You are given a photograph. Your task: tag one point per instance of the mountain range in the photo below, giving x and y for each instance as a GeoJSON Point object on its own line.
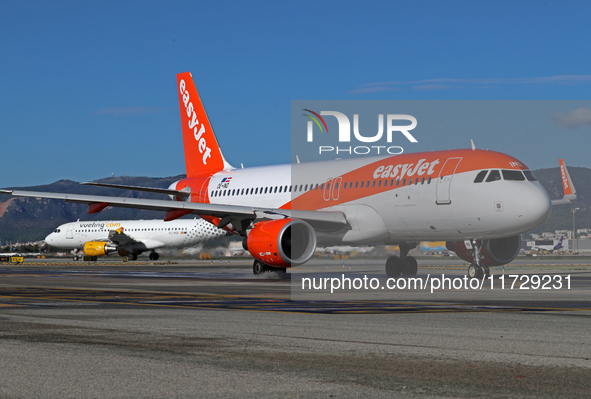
{"type": "Point", "coordinates": [31, 219]}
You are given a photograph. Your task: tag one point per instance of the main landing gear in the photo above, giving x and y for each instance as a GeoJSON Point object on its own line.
{"type": "Point", "coordinates": [154, 255]}
{"type": "Point", "coordinates": [259, 267]}
{"type": "Point", "coordinates": [476, 270]}
{"type": "Point", "coordinates": [404, 265]}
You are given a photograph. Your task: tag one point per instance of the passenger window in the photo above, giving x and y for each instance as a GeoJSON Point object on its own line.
{"type": "Point", "coordinates": [410, 181]}
{"type": "Point", "coordinates": [513, 175]}
{"type": "Point", "coordinates": [361, 185]}
{"type": "Point", "coordinates": [480, 176]}
{"type": "Point", "coordinates": [493, 176]}
{"type": "Point", "coordinates": [529, 175]}
{"type": "Point", "coordinates": [356, 184]}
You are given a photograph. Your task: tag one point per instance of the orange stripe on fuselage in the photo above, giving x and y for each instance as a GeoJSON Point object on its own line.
{"type": "Point", "coordinates": [383, 174]}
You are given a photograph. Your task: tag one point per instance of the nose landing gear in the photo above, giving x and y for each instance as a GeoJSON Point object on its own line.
{"type": "Point", "coordinates": [476, 270]}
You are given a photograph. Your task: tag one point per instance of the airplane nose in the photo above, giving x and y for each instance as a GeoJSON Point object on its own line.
{"type": "Point", "coordinates": [534, 205]}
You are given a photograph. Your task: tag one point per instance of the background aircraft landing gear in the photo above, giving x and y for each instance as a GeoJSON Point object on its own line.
{"type": "Point", "coordinates": [132, 257]}
{"type": "Point", "coordinates": [154, 256]}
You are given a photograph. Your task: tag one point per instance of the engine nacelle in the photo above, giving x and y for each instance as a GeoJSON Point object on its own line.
{"type": "Point", "coordinates": [497, 252]}
{"type": "Point", "coordinates": [282, 243]}
{"type": "Point", "coordinates": [99, 248]}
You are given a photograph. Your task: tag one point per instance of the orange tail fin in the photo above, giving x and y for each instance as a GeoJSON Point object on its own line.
{"type": "Point", "coordinates": [567, 183]}
{"type": "Point", "coordinates": [203, 155]}
{"type": "Point", "coordinates": [570, 193]}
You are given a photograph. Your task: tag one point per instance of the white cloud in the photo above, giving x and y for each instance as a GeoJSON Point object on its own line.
{"type": "Point", "coordinates": [127, 111]}
{"type": "Point", "coordinates": [573, 119]}
{"type": "Point", "coordinates": [454, 83]}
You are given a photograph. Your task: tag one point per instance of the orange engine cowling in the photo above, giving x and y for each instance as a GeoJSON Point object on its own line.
{"type": "Point", "coordinates": [282, 243]}
{"type": "Point", "coordinates": [497, 252]}
{"type": "Point", "coordinates": [99, 248]}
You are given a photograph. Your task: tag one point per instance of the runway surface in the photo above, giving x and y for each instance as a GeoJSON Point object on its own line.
{"type": "Point", "coordinates": [212, 329]}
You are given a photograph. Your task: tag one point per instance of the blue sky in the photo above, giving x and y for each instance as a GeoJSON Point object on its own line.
{"type": "Point", "coordinates": [88, 89]}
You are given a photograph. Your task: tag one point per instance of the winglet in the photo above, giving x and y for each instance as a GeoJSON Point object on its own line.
{"type": "Point", "coordinates": [570, 193]}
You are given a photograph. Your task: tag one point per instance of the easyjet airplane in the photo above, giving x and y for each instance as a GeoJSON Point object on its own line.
{"type": "Point", "coordinates": [131, 237]}
{"type": "Point", "coordinates": [478, 201]}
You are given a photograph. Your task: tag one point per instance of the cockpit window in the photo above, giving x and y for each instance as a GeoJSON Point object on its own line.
{"type": "Point", "coordinates": [529, 175]}
{"type": "Point", "coordinates": [493, 176]}
{"type": "Point", "coordinates": [480, 176]}
{"type": "Point", "coordinates": [513, 175]}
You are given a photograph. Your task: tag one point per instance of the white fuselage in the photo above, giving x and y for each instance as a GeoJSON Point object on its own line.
{"type": "Point", "coordinates": [396, 199]}
{"type": "Point", "coordinates": [153, 234]}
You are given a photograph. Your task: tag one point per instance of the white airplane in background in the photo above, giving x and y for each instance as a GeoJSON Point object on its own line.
{"type": "Point", "coordinates": [478, 201]}
{"type": "Point", "coordinates": [132, 237]}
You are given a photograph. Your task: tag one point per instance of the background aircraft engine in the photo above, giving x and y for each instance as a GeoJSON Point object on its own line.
{"type": "Point", "coordinates": [99, 248]}
{"type": "Point", "coordinates": [497, 252]}
{"type": "Point", "coordinates": [282, 243]}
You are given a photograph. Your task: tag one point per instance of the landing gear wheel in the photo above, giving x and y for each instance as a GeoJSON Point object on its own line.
{"type": "Point", "coordinates": [394, 266]}
{"type": "Point", "coordinates": [410, 267]}
{"type": "Point", "coordinates": [132, 257]}
{"type": "Point", "coordinates": [259, 267]}
{"type": "Point", "coordinates": [475, 271]}
{"type": "Point", "coordinates": [154, 255]}
{"type": "Point", "coordinates": [485, 271]}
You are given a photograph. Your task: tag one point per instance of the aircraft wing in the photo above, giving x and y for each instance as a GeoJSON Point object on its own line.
{"type": "Point", "coordinates": [570, 193]}
{"type": "Point", "coordinates": [179, 193]}
{"type": "Point", "coordinates": [122, 240]}
{"type": "Point", "coordinates": [239, 216]}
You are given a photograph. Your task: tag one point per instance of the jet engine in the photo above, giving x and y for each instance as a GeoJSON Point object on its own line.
{"type": "Point", "coordinates": [497, 252]}
{"type": "Point", "coordinates": [99, 248]}
{"type": "Point", "coordinates": [282, 243]}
